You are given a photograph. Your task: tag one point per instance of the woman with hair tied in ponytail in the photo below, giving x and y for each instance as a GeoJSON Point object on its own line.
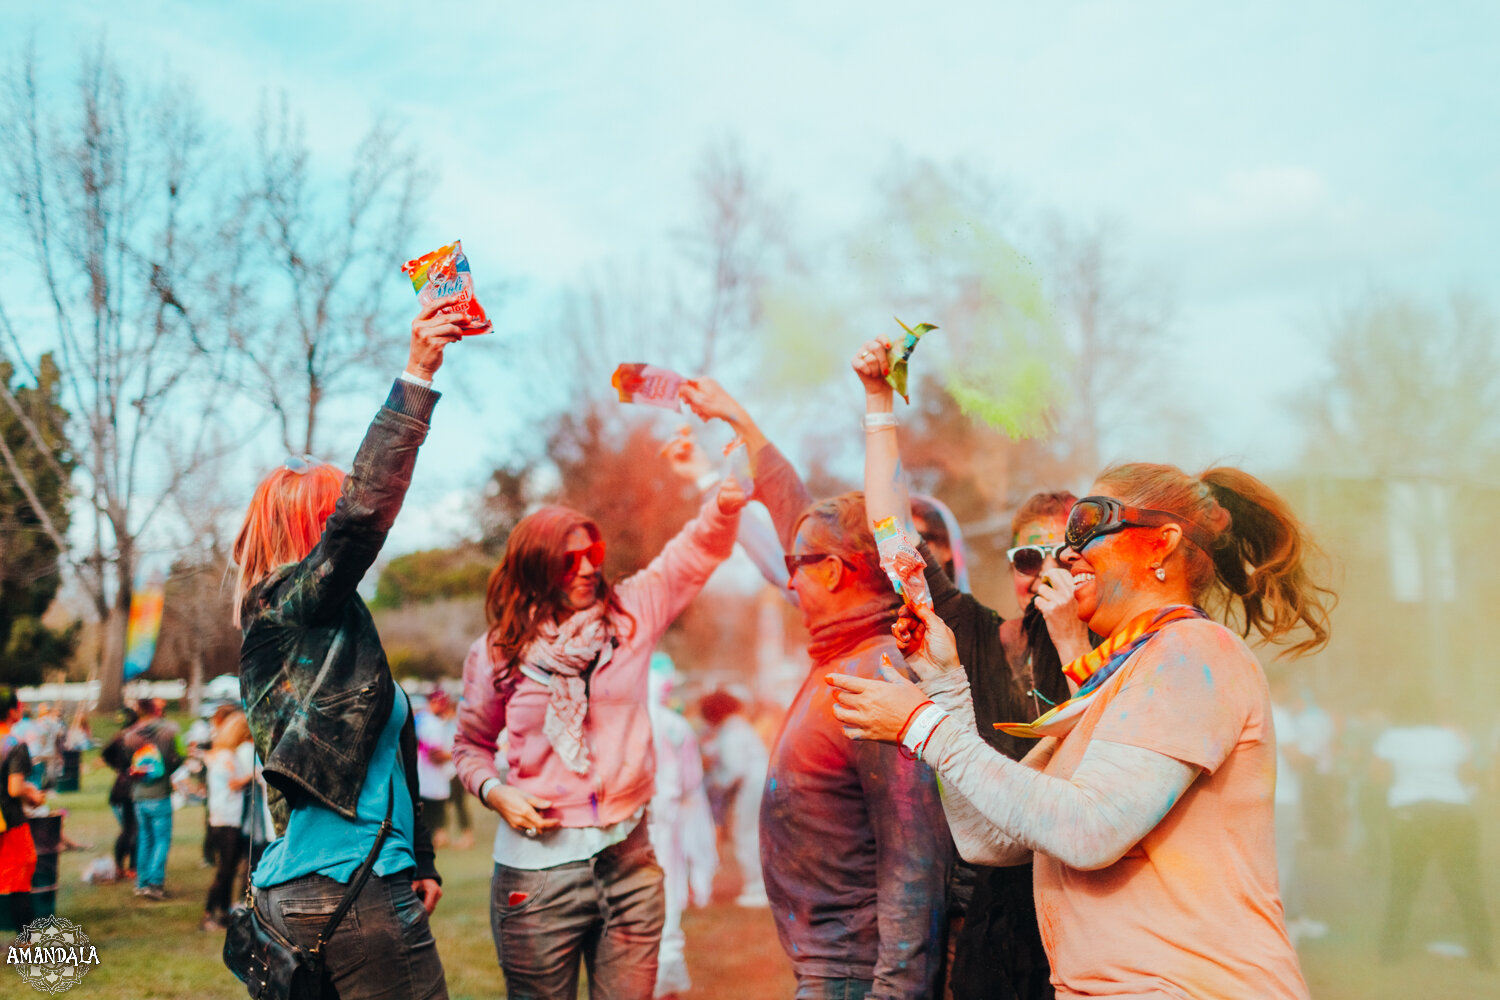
{"type": "Point", "coordinates": [1146, 806]}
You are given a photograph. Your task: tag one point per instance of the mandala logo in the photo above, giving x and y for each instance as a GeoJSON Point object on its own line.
{"type": "Point", "coordinates": [52, 954]}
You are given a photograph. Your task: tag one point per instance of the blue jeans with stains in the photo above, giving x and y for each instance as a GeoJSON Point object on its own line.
{"type": "Point", "coordinates": [383, 948]}
{"type": "Point", "coordinates": [607, 910]}
{"type": "Point", "coordinates": [810, 988]}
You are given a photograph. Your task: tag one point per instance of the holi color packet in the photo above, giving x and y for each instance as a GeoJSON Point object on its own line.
{"type": "Point", "coordinates": [648, 385]}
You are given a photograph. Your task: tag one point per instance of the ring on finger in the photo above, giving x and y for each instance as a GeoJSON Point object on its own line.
{"type": "Point", "coordinates": [530, 831]}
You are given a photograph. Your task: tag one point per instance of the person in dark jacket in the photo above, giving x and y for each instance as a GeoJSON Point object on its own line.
{"type": "Point", "coordinates": [118, 758]}
{"type": "Point", "coordinates": [155, 749]}
{"type": "Point", "coordinates": [334, 729]}
{"type": "Point", "coordinates": [1014, 669]}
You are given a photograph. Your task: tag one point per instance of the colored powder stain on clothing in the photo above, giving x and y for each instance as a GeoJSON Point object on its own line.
{"type": "Point", "coordinates": [773, 784]}
{"type": "Point", "coordinates": [1208, 675]}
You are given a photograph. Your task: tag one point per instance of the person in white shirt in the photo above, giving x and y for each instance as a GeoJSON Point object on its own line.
{"type": "Point", "coordinates": [436, 725]}
{"type": "Point", "coordinates": [738, 763]}
{"type": "Point", "coordinates": [681, 826]}
{"type": "Point", "coordinates": [1432, 815]}
{"type": "Point", "coordinates": [229, 765]}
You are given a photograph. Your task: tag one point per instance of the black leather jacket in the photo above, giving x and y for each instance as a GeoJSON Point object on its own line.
{"type": "Point", "coordinates": [313, 676]}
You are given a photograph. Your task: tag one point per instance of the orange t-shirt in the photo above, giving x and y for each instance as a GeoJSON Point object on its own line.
{"type": "Point", "coordinates": [1192, 911]}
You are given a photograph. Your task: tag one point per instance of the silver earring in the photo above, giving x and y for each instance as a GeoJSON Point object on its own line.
{"type": "Point", "coordinates": [1161, 574]}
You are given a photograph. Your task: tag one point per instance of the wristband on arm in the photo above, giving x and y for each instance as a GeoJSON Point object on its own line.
{"type": "Point", "coordinates": [920, 726]}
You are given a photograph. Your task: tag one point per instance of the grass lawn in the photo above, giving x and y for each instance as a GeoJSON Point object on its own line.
{"type": "Point", "coordinates": [156, 950]}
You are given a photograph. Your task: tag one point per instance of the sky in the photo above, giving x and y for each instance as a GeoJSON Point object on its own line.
{"type": "Point", "coordinates": [1265, 164]}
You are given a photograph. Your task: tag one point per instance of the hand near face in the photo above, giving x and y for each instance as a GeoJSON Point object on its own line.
{"type": "Point", "coordinates": [1054, 599]}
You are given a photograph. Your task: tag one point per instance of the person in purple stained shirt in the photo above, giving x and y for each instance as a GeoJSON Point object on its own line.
{"type": "Point", "coordinates": [853, 846]}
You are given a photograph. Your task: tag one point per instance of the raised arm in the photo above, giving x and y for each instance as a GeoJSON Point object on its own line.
{"type": "Point", "coordinates": [756, 537]}
{"type": "Point", "coordinates": [886, 494]}
{"type": "Point", "coordinates": [376, 484]}
{"type": "Point", "coordinates": [657, 594]}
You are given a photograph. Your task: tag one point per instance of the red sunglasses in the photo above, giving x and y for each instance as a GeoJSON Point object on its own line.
{"type": "Point", "coordinates": [575, 557]}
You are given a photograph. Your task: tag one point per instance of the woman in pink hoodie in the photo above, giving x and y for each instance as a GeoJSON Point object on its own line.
{"type": "Point", "coordinates": [563, 671]}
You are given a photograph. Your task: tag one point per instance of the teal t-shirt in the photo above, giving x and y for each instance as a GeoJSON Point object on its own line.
{"type": "Point", "coordinates": [318, 841]}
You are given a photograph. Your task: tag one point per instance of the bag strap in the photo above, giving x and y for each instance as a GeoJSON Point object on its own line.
{"type": "Point", "coordinates": [361, 876]}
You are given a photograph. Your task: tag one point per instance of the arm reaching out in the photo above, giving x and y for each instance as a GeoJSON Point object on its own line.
{"type": "Point", "coordinates": [1000, 811]}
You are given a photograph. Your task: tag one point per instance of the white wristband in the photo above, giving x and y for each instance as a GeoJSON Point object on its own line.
{"type": "Point", "coordinates": [921, 728]}
{"type": "Point", "coordinates": [878, 421]}
{"type": "Point", "coordinates": [484, 789]}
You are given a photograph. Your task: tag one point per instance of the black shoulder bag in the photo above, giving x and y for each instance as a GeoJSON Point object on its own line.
{"type": "Point", "coordinates": [270, 966]}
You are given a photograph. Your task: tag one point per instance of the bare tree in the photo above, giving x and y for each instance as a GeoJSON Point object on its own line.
{"type": "Point", "coordinates": [1113, 321]}
{"type": "Point", "coordinates": [1412, 390]}
{"type": "Point", "coordinates": [320, 273]}
{"type": "Point", "coordinates": [737, 240]}
{"type": "Point", "coordinates": [116, 214]}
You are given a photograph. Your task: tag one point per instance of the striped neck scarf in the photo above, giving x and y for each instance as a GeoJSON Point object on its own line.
{"type": "Point", "coordinates": [1098, 665]}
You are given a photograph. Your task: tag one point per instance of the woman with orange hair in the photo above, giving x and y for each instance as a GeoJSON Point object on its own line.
{"type": "Point", "coordinates": [563, 670]}
{"type": "Point", "coordinates": [331, 724]}
{"type": "Point", "coordinates": [1147, 805]}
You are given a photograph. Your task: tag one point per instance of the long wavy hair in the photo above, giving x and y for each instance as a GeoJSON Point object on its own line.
{"type": "Point", "coordinates": [526, 589]}
{"type": "Point", "coordinates": [1255, 575]}
{"type": "Point", "coordinates": [284, 522]}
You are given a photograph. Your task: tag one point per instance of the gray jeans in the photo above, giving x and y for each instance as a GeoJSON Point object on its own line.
{"type": "Point", "coordinates": [382, 948]}
{"type": "Point", "coordinates": [607, 910]}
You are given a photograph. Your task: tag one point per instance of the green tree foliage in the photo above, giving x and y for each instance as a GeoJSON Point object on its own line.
{"type": "Point", "coordinates": [431, 574]}
{"type": "Point", "coordinates": [33, 432]}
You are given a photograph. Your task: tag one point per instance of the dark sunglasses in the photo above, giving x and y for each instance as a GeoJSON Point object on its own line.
{"type": "Point", "coordinates": [595, 554]}
{"type": "Point", "coordinates": [1028, 560]}
{"type": "Point", "coordinates": [794, 563]}
{"type": "Point", "coordinates": [1095, 516]}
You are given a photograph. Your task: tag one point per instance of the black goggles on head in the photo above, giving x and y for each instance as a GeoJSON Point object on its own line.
{"type": "Point", "coordinates": [1095, 516]}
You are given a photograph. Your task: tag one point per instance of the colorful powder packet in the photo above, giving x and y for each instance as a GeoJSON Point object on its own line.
{"type": "Point", "coordinates": [900, 356]}
{"type": "Point", "coordinates": [445, 272]}
{"type": "Point", "coordinates": [648, 385]}
{"type": "Point", "coordinates": [902, 562]}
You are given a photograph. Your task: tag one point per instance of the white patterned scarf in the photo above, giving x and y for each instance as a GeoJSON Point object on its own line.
{"type": "Point", "coordinates": [566, 653]}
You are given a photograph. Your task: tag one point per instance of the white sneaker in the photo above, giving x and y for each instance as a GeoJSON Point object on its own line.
{"type": "Point", "coordinates": [752, 900]}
